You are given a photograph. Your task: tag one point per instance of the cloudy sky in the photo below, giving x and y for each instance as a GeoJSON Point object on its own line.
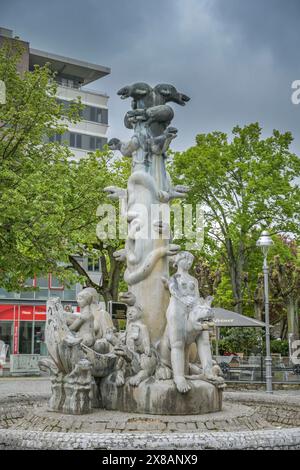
{"type": "Point", "coordinates": [236, 59]}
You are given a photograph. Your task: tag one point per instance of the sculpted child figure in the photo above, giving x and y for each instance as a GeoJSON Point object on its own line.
{"type": "Point", "coordinates": [137, 346]}
{"type": "Point", "coordinates": [138, 341]}
{"type": "Point", "coordinates": [91, 324]}
{"type": "Point", "coordinates": [189, 319]}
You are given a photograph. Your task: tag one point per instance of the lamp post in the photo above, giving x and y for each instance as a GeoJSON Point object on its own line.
{"type": "Point", "coordinates": [264, 242]}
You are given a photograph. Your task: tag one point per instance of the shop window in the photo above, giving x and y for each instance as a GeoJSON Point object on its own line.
{"type": "Point", "coordinates": [32, 338]}
{"type": "Point", "coordinates": [25, 338]}
{"type": "Point", "coordinates": [39, 346]}
{"type": "Point", "coordinates": [7, 334]}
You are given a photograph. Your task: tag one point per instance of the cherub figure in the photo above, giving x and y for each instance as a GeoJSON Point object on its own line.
{"type": "Point", "coordinates": [138, 341]}
{"type": "Point", "coordinates": [135, 349]}
{"type": "Point", "coordinates": [83, 322]}
{"type": "Point", "coordinates": [92, 322]}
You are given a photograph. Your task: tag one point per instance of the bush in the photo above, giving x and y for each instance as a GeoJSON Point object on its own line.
{"type": "Point", "coordinates": [240, 340]}
{"type": "Point", "coordinates": [280, 347]}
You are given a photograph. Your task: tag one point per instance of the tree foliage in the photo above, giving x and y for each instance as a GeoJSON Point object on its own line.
{"type": "Point", "coordinates": [48, 201]}
{"type": "Point", "coordinates": [246, 184]}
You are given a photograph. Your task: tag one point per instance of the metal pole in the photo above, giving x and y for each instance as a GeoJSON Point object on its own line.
{"type": "Point", "coordinates": [33, 331]}
{"type": "Point", "coordinates": [217, 341]}
{"type": "Point", "coordinates": [267, 322]}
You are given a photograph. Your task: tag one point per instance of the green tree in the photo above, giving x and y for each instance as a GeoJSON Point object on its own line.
{"type": "Point", "coordinates": [48, 202]}
{"type": "Point", "coordinates": [245, 185]}
{"type": "Point", "coordinates": [285, 285]}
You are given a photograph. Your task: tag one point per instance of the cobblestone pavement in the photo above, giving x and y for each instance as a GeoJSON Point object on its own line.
{"type": "Point", "coordinates": [233, 417]}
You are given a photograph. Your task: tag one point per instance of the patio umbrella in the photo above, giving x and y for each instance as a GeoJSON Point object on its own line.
{"type": "Point", "coordinates": [223, 317]}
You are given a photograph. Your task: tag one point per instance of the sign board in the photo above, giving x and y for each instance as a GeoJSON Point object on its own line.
{"type": "Point", "coordinates": [117, 310]}
{"type": "Point", "coordinates": [24, 364]}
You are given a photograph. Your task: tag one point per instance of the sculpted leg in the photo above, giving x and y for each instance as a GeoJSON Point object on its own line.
{"type": "Point", "coordinates": [178, 365]}
{"type": "Point", "coordinates": [204, 352]}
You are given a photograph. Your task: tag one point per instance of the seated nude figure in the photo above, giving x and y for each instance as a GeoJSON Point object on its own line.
{"type": "Point", "coordinates": [189, 319]}
{"type": "Point", "coordinates": [91, 323]}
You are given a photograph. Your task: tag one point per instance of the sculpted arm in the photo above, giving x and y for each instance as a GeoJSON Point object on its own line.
{"type": "Point", "coordinates": [82, 318]}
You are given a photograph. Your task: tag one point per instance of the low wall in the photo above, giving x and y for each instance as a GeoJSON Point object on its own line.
{"type": "Point", "coordinates": [288, 439]}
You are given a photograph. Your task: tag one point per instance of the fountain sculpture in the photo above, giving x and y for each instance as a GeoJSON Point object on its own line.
{"type": "Point", "coordinates": [162, 363]}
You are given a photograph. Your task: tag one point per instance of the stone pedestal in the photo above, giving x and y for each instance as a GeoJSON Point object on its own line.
{"type": "Point", "coordinates": [160, 397]}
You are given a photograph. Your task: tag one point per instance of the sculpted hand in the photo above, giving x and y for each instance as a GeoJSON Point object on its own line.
{"type": "Point", "coordinates": [165, 282]}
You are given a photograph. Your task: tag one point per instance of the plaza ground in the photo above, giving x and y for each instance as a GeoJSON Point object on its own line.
{"type": "Point", "coordinates": [42, 386]}
{"type": "Point", "coordinates": [248, 420]}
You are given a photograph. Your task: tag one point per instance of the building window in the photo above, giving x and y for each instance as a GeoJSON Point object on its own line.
{"type": "Point", "coordinates": [70, 294]}
{"type": "Point", "coordinates": [55, 138]}
{"type": "Point", "coordinates": [80, 141]}
{"type": "Point", "coordinates": [7, 335]}
{"type": "Point", "coordinates": [39, 345]}
{"type": "Point", "coordinates": [43, 284]}
{"type": "Point", "coordinates": [55, 283]}
{"type": "Point", "coordinates": [94, 265]}
{"type": "Point", "coordinates": [25, 338]}
{"type": "Point", "coordinates": [32, 338]}
{"type": "Point", "coordinates": [75, 140]}
{"type": "Point", "coordinates": [94, 114]}
{"type": "Point", "coordinates": [89, 113]}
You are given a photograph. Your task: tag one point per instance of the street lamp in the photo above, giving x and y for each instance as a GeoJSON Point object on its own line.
{"type": "Point", "coordinates": [264, 242]}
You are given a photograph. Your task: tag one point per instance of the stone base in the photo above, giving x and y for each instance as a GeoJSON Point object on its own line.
{"type": "Point", "coordinates": [160, 397]}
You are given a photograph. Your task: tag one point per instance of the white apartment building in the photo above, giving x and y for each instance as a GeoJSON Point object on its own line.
{"type": "Point", "coordinates": [73, 76]}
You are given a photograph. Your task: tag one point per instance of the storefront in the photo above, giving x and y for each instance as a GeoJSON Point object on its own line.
{"type": "Point", "coordinates": [22, 328]}
{"type": "Point", "coordinates": [23, 315]}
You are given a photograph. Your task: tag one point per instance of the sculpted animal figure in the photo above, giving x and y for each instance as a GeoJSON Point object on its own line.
{"type": "Point", "coordinates": [166, 93]}
{"type": "Point", "coordinates": [189, 319]}
{"type": "Point", "coordinates": [144, 96]}
{"type": "Point", "coordinates": [141, 94]}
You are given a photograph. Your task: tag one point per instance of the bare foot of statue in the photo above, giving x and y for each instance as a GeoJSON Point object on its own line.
{"type": "Point", "coordinates": [181, 384]}
{"type": "Point", "coordinates": [163, 373]}
{"type": "Point", "coordinates": [137, 379]}
{"type": "Point", "coordinates": [215, 380]}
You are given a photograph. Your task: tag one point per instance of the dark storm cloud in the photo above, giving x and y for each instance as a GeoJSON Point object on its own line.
{"type": "Point", "coordinates": [235, 58]}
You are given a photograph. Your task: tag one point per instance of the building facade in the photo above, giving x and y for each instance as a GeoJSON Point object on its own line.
{"type": "Point", "coordinates": [23, 314]}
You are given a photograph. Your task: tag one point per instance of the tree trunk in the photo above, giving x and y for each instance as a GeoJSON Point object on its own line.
{"type": "Point", "coordinates": [235, 278]}
{"type": "Point", "coordinates": [292, 317]}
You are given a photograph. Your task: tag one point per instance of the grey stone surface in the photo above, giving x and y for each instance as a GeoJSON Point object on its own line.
{"type": "Point", "coordinates": [160, 397]}
{"type": "Point", "coordinates": [165, 318]}
{"type": "Point", "coordinates": [288, 439]}
{"type": "Point", "coordinates": [242, 424]}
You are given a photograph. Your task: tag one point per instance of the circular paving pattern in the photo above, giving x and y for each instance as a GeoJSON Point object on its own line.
{"type": "Point", "coordinates": [247, 421]}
